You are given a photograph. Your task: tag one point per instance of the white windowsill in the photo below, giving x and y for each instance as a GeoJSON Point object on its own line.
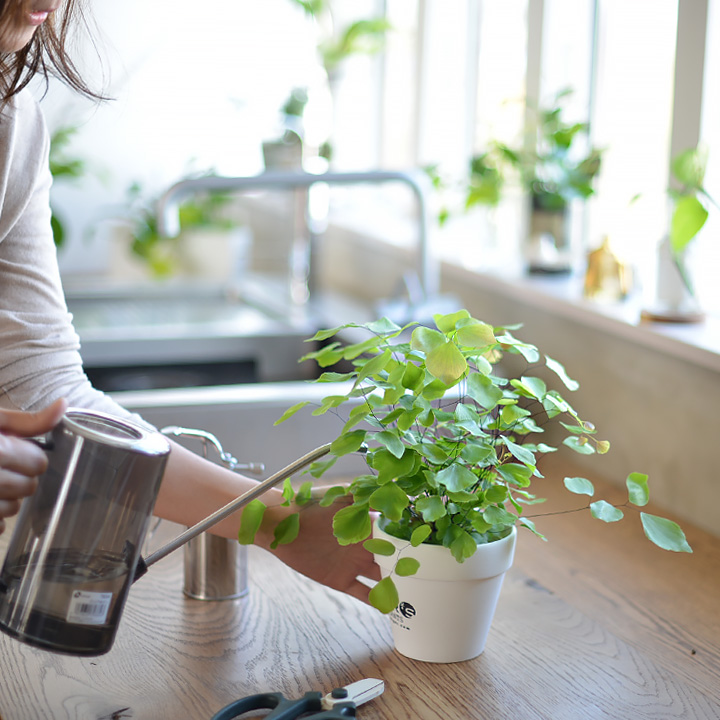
{"type": "Point", "coordinates": [698, 343]}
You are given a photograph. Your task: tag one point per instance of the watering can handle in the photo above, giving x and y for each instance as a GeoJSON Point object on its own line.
{"type": "Point", "coordinates": [229, 509]}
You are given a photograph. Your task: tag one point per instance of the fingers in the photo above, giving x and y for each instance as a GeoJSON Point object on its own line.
{"type": "Point", "coordinates": [13, 488]}
{"type": "Point", "coordinates": [25, 424]}
{"type": "Point", "coordinates": [19, 457]}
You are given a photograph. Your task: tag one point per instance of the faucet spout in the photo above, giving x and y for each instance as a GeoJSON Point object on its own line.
{"type": "Point", "coordinates": [427, 269]}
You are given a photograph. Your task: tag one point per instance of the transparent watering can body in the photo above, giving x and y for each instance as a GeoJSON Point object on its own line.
{"type": "Point", "coordinates": [77, 540]}
{"type": "Point", "coordinates": [75, 548]}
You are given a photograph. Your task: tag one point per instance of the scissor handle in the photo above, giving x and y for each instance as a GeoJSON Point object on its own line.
{"type": "Point", "coordinates": [281, 707]}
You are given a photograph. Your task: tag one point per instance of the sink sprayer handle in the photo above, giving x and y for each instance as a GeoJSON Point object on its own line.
{"type": "Point", "coordinates": [230, 508]}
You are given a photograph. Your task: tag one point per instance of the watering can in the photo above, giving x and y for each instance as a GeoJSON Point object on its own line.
{"type": "Point", "coordinates": [76, 546]}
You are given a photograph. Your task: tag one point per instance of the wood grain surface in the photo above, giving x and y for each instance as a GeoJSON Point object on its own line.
{"type": "Point", "coordinates": [593, 623]}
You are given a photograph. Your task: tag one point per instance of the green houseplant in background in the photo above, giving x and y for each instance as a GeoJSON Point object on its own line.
{"type": "Point", "coordinates": [164, 256]}
{"type": "Point", "coordinates": [691, 203]}
{"type": "Point", "coordinates": [452, 445]}
{"type": "Point", "coordinates": [554, 168]}
{"type": "Point", "coordinates": [482, 186]}
{"type": "Point", "coordinates": [337, 43]}
{"type": "Point", "coordinates": [63, 167]}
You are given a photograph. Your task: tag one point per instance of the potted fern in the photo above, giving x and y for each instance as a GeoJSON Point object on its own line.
{"type": "Point", "coordinates": [452, 445]}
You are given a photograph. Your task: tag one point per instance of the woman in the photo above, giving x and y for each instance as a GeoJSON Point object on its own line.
{"type": "Point", "coordinates": [39, 349]}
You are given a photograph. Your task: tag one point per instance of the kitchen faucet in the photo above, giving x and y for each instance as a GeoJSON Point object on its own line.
{"type": "Point", "coordinates": [427, 280]}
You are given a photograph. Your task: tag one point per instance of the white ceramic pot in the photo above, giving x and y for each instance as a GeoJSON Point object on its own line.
{"type": "Point", "coordinates": [446, 608]}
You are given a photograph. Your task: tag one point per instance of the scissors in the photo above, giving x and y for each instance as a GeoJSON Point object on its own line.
{"type": "Point", "coordinates": [336, 705]}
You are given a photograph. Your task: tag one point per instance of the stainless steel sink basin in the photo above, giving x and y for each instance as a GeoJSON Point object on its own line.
{"type": "Point", "coordinates": [181, 332]}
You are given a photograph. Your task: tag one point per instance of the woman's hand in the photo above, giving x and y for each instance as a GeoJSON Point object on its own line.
{"type": "Point", "coordinates": [22, 461]}
{"type": "Point", "coordinates": [317, 554]}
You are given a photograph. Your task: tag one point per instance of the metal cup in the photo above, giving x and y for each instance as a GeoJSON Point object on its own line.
{"type": "Point", "coordinates": [215, 568]}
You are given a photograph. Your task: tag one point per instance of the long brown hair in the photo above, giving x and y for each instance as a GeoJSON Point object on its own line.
{"type": "Point", "coordinates": [46, 54]}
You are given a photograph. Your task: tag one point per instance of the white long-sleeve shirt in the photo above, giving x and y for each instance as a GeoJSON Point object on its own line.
{"type": "Point", "coordinates": [39, 348]}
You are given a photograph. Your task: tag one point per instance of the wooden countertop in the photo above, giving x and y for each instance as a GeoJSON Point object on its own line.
{"type": "Point", "coordinates": [595, 623]}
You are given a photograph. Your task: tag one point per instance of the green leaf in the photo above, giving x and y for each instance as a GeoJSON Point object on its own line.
{"type": "Point", "coordinates": [347, 443]}
{"type": "Point", "coordinates": [482, 389]}
{"type": "Point", "coordinates": [638, 491]}
{"type": "Point", "coordinates": [412, 377]}
{"type": "Point", "coordinates": [579, 486]}
{"type": "Point", "coordinates": [420, 535]}
{"type": "Point", "coordinates": [286, 531]}
{"type": "Point", "coordinates": [496, 494]}
{"type": "Point", "coordinates": [515, 474]}
{"type": "Point", "coordinates": [424, 339]}
{"type": "Point", "coordinates": [407, 419]}
{"type": "Point", "coordinates": [579, 444]}
{"type": "Point", "coordinates": [456, 477]}
{"type": "Point", "coordinates": [462, 545]}
{"type": "Point", "coordinates": [326, 356]}
{"type": "Point", "coordinates": [529, 352]}
{"type": "Point", "coordinates": [512, 414]}
{"type": "Point", "coordinates": [478, 453]}
{"type": "Point", "coordinates": [325, 334]}
{"type": "Point", "coordinates": [250, 521]}
{"type": "Point", "coordinates": [390, 467]}
{"type": "Point", "coordinates": [559, 370]}
{"type": "Point", "coordinates": [535, 387]}
{"type": "Point", "coordinates": [391, 441]}
{"type": "Point", "coordinates": [373, 366]}
{"type": "Point", "coordinates": [498, 516]}
{"type": "Point", "coordinates": [688, 219]}
{"type": "Point", "coordinates": [446, 363]}
{"type": "Point", "coordinates": [304, 494]}
{"type": "Point", "coordinates": [475, 334]}
{"type": "Point", "coordinates": [329, 402]}
{"type": "Point", "coordinates": [384, 596]}
{"type": "Point", "coordinates": [574, 429]}
{"type": "Point", "coordinates": [333, 494]}
{"type": "Point", "coordinates": [390, 500]}
{"type": "Point", "coordinates": [291, 411]}
{"type": "Point", "coordinates": [407, 566]}
{"type": "Point", "coordinates": [333, 377]}
{"type": "Point", "coordinates": [530, 525]}
{"type": "Point", "coordinates": [350, 352]}
{"type": "Point", "coordinates": [602, 510]}
{"type": "Point", "coordinates": [447, 323]}
{"type": "Point", "coordinates": [664, 533]}
{"type": "Point", "coordinates": [288, 492]}
{"type": "Point", "coordinates": [432, 452]}
{"type": "Point", "coordinates": [522, 454]}
{"type": "Point", "coordinates": [378, 546]}
{"type": "Point", "coordinates": [431, 508]}
{"type": "Point", "coordinates": [689, 167]}
{"type": "Point", "coordinates": [319, 467]}
{"type": "Point", "coordinates": [352, 524]}
{"type": "Point", "coordinates": [434, 390]}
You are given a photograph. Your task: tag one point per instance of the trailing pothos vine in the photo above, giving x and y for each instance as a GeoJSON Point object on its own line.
{"type": "Point", "coordinates": [451, 442]}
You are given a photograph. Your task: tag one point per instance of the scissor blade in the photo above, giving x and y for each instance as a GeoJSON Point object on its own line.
{"type": "Point", "coordinates": [358, 692]}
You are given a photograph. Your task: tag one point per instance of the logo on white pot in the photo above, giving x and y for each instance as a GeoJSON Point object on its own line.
{"type": "Point", "coordinates": [406, 610]}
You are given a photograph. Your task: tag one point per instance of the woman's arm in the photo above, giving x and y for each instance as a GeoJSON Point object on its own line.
{"type": "Point", "coordinates": [193, 488]}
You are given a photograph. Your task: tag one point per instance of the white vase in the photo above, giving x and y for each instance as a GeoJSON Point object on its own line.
{"type": "Point", "coordinates": [446, 608]}
{"type": "Point", "coordinates": [673, 301]}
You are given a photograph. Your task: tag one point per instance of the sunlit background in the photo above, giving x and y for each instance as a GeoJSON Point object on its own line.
{"type": "Point", "coordinates": [199, 88]}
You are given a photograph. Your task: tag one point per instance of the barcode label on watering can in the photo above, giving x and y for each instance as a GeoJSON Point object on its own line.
{"type": "Point", "coordinates": [88, 608]}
